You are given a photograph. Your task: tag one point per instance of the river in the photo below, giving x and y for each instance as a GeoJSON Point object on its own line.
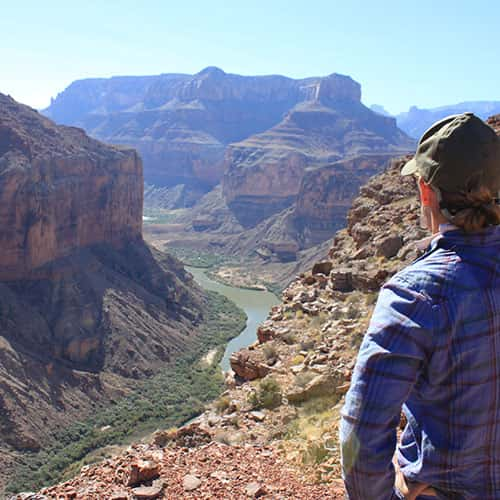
{"type": "Point", "coordinates": [255, 303]}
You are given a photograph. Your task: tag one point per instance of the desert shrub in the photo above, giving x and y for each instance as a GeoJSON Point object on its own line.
{"type": "Point", "coordinates": [267, 395]}
{"type": "Point", "coordinates": [302, 379]}
{"type": "Point", "coordinates": [315, 453]}
{"type": "Point", "coordinates": [269, 351]}
{"type": "Point", "coordinates": [222, 404]}
{"type": "Point", "coordinates": [371, 298]}
{"type": "Point", "coordinates": [297, 360]}
{"type": "Point", "coordinates": [289, 338]}
{"type": "Point", "coordinates": [307, 344]}
{"type": "Point", "coordinates": [352, 311]}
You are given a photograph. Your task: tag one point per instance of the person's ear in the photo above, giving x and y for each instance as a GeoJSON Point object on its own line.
{"type": "Point", "coordinates": [426, 193]}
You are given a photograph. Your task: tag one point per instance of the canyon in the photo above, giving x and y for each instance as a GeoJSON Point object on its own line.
{"type": "Point", "coordinates": [261, 167]}
{"type": "Point", "coordinates": [87, 309]}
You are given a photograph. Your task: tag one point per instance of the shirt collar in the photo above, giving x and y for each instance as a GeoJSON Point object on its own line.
{"type": "Point", "coordinates": [424, 243]}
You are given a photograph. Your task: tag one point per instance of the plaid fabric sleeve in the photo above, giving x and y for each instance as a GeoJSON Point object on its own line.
{"type": "Point", "coordinates": [390, 359]}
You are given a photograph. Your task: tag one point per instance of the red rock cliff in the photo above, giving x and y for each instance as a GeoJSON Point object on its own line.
{"type": "Point", "coordinates": [60, 191]}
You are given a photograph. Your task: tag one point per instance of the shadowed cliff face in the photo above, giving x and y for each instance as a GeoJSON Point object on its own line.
{"type": "Point", "coordinates": [326, 194]}
{"type": "Point", "coordinates": [86, 307]}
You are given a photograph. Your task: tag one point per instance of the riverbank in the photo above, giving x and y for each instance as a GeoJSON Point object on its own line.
{"type": "Point", "coordinates": [255, 303]}
{"type": "Point", "coordinates": [170, 398]}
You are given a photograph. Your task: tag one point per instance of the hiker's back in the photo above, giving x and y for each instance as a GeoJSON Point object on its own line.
{"type": "Point", "coordinates": [456, 400]}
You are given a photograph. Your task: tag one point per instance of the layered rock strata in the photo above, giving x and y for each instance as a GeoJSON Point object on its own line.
{"type": "Point", "coordinates": [183, 126]}
{"type": "Point", "coordinates": [86, 307]}
{"type": "Point", "coordinates": [60, 191]}
{"type": "Point", "coordinates": [326, 194]}
{"type": "Point", "coordinates": [264, 173]}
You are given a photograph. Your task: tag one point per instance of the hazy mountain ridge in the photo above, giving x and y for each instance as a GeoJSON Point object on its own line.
{"type": "Point", "coordinates": [416, 121]}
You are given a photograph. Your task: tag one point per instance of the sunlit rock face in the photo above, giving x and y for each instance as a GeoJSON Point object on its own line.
{"type": "Point", "coordinates": [266, 173]}
{"type": "Point", "coordinates": [60, 191]}
{"type": "Point", "coordinates": [183, 126]}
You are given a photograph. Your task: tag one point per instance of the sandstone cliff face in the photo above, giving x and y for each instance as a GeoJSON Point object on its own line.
{"type": "Point", "coordinates": [264, 173]}
{"type": "Point", "coordinates": [182, 124]}
{"type": "Point", "coordinates": [86, 308]}
{"type": "Point", "coordinates": [326, 194]}
{"type": "Point", "coordinates": [60, 190]}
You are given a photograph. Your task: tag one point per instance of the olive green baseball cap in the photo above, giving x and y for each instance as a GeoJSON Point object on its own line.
{"type": "Point", "coordinates": [457, 151]}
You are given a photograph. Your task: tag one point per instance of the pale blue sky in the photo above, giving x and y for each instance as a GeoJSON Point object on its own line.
{"type": "Point", "coordinates": [427, 53]}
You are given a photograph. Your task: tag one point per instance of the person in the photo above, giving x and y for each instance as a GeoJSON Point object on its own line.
{"type": "Point", "coordinates": [433, 344]}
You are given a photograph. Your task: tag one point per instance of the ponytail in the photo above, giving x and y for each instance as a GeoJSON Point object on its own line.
{"type": "Point", "coordinates": [471, 210]}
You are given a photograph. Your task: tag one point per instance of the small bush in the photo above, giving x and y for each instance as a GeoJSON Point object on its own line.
{"type": "Point", "coordinates": [268, 395]}
{"type": "Point", "coordinates": [307, 344]}
{"type": "Point", "coordinates": [289, 338]}
{"type": "Point", "coordinates": [270, 351]}
{"type": "Point", "coordinates": [297, 360]}
{"type": "Point", "coordinates": [222, 404]}
{"type": "Point", "coordinates": [352, 312]}
{"type": "Point", "coordinates": [315, 453]}
{"type": "Point", "coordinates": [302, 379]}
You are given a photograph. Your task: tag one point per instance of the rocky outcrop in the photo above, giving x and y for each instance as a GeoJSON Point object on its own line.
{"type": "Point", "coordinates": [249, 364]}
{"type": "Point", "coordinates": [494, 122]}
{"type": "Point", "coordinates": [213, 470]}
{"type": "Point", "coordinates": [86, 307]}
{"type": "Point", "coordinates": [182, 126]}
{"type": "Point", "coordinates": [60, 191]}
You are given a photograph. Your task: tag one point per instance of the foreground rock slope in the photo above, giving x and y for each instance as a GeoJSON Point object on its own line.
{"type": "Point", "coordinates": [86, 307]}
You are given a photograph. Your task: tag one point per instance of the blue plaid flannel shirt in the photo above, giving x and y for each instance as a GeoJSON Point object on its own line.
{"type": "Point", "coordinates": [433, 348]}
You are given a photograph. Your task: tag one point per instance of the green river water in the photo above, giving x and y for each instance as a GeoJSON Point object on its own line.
{"type": "Point", "coordinates": [255, 303]}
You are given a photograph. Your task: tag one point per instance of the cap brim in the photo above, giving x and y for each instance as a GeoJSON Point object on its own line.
{"type": "Point", "coordinates": [409, 168]}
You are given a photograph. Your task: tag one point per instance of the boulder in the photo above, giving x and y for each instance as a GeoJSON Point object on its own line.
{"type": "Point", "coordinates": [191, 482]}
{"type": "Point", "coordinates": [249, 365]}
{"type": "Point", "coordinates": [322, 385]}
{"type": "Point", "coordinates": [266, 332]}
{"type": "Point", "coordinates": [389, 246]}
{"type": "Point", "coordinates": [324, 267]}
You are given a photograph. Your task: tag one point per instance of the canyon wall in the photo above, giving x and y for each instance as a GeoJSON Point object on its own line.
{"type": "Point", "coordinates": [265, 172]}
{"type": "Point", "coordinates": [182, 125]}
{"type": "Point", "coordinates": [86, 307]}
{"type": "Point", "coordinates": [60, 191]}
{"type": "Point", "coordinates": [326, 194]}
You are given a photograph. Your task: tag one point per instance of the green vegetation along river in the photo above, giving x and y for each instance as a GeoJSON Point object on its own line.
{"type": "Point", "coordinates": [255, 303]}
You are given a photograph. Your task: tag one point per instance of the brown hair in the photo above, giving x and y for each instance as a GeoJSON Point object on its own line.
{"type": "Point", "coordinates": [471, 210]}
